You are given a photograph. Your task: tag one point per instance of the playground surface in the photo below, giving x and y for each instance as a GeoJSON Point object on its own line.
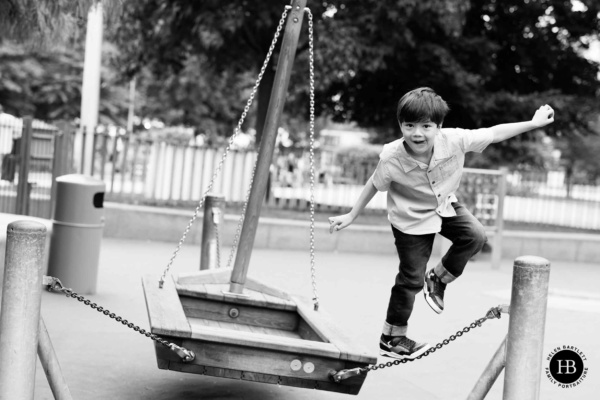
{"type": "Point", "coordinates": [102, 359]}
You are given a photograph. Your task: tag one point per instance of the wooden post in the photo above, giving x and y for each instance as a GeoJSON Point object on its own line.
{"type": "Point", "coordinates": [214, 204]}
{"type": "Point", "coordinates": [49, 362]}
{"type": "Point", "coordinates": [23, 191]}
{"type": "Point", "coordinates": [490, 374]}
{"type": "Point", "coordinates": [527, 320]}
{"type": "Point", "coordinates": [497, 246]}
{"type": "Point", "coordinates": [267, 145]}
{"type": "Point", "coordinates": [20, 312]}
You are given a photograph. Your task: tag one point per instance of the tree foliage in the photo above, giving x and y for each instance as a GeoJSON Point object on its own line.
{"type": "Point", "coordinates": [44, 24]}
{"type": "Point", "coordinates": [476, 54]}
{"type": "Point", "coordinates": [492, 61]}
{"type": "Point", "coordinates": [47, 84]}
{"type": "Point", "coordinates": [41, 60]}
{"type": "Point", "coordinates": [220, 47]}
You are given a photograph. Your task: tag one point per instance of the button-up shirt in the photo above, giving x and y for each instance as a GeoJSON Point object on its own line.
{"type": "Point", "coordinates": [419, 195]}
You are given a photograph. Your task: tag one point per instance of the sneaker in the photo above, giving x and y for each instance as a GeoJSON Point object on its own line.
{"type": "Point", "coordinates": [401, 347]}
{"type": "Point", "coordinates": [434, 292]}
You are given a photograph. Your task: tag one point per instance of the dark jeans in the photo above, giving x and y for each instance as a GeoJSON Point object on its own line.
{"type": "Point", "coordinates": [467, 236]}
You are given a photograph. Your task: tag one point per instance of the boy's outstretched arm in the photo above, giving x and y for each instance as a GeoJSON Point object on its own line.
{"type": "Point", "coordinates": [342, 221]}
{"type": "Point", "coordinates": [543, 116]}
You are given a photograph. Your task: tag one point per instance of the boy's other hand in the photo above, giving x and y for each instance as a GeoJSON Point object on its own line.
{"type": "Point", "coordinates": [340, 222]}
{"type": "Point", "coordinates": [543, 116]}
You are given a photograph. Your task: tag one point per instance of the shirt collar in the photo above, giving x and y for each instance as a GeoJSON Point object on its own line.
{"type": "Point", "coordinates": [440, 153]}
{"type": "Point", "coordinates": [408, 163]}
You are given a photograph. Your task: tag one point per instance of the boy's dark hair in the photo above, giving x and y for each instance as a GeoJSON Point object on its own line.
{"type": "Point", "coordinates": [420, 105]}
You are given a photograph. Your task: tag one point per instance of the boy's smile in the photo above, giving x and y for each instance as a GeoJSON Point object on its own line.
{"type": "Point", "coordinates": [419, 138]}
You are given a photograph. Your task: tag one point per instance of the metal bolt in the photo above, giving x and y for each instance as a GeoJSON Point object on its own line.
{"type": "Point", "coordinates": [309, 367]}
{"type": "Point", "coordinates": [296, 365]}
{"type": "Point", "coordinates": [234, 312]}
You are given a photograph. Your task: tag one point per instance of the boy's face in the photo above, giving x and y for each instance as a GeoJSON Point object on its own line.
{"type": "Point", "coordinates": [419, 137]}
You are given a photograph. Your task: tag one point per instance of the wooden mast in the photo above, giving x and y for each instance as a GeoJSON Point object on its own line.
{"type": "Point", "coordinates": [267, 146]}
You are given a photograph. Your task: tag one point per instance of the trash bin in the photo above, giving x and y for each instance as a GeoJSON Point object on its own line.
{"type": "Point", "coordinates": [77, 232]}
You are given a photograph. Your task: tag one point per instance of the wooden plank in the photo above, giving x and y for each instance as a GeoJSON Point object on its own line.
{"type": "Point", "coordinates": [253, 359]}
{"type": "Point", "coordinates": [276, 367]}
{"type": "Point", "coordinates": [162, 364]}
{"type": "Point", "coordinates": [248, 315]}
{"type": "Point", "coordinates": [324, 326]}
{"type": "Point", "coordinates": [263, 341]}
{"type": "Point", "coordinates": [240, 327]}
{"type": "Point", "coordinates": [280, 332]}
{"type": "Point", "coordinates": [218, 291]}
{"type": "Point", "coordinates": [254, 284]}
{"type": "Point", "coordinates": [164, 308]}
{"type": "Point", "coordinates": [307, 333]}
{"type": "Point", "coordinates": [199, 323]}
{"type": "Point", "coordinates": [221, 275]}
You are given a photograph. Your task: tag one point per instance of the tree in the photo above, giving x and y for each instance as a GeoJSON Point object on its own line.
{"type": "Point", "coordinates": [492, 61]}
{"type": "Point", "coordinates": [470, 52]}
{"type": "Point", "coordinates": [41, 60]}
{"type": "Point", "coordinates": [210, 42]}
{"type": "Point", "coordinates": [47, 84]}
{"type": "Point", "coordinates": [208, 102]}
{"type": "Point", "coordinates": [44, 23]}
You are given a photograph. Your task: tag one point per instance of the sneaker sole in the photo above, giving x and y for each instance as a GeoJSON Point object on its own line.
{"type": "Point", "coordinates": [429, 301]}
{"type": "Point", "coordinates": [397, 356]}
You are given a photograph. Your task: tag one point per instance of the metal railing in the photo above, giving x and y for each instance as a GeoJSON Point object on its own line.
{"type": "Point", "coordinates": [138, 170]}
{"type": "Point", "coordinates": [29, 164]}
{"type": "Point", "coordinates": [142, 170]}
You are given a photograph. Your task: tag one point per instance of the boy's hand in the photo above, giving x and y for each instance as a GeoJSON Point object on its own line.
{"type": "Point", "coordinates": [543, 116]}
{"type": "Point", "coordinates": [340, 222]}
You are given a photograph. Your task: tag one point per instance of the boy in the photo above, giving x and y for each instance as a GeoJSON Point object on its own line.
{"type": "Point", "coordinates": [421, 173]}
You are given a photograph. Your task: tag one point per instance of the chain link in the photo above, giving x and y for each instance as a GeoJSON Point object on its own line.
{"type": "Point", "coordinates": [224, 157]}
{"type": "Point", "coordinates": [313, 274]}
{"type": "Point", "coordinates": [55, 285]}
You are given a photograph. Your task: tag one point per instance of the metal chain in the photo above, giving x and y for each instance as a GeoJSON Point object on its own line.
{"type": "Point", "coordinates": [494, 312]}
{"type": "Point", "coordinates": [313, 275]}
{"type": "Point", "coordinates": [54, 284]}
{"type": "Point", "coordinates": [227, 149]}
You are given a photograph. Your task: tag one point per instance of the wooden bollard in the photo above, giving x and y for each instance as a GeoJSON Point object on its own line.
{"type": "Point", "coordinates": [20, 311]}
{"type": "Point", "coordinates": [214, 206]}
{"type": "Point", "coordinates": [525, 340]}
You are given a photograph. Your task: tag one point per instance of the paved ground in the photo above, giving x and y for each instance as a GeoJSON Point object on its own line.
{"type": "Point", "coordinates": [102, 359]}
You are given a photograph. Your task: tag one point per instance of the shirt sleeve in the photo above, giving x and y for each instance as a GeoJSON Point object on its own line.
{"type": "Point", "coordinates": [476, 139]}
{"type": "Point", "coordinates": [381, 177]}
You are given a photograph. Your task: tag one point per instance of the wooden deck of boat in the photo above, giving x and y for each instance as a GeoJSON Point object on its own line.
{"type": "Point", "coordinates": [264, 334]}
{"type": "Point", "coordinates": [197, 324]}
